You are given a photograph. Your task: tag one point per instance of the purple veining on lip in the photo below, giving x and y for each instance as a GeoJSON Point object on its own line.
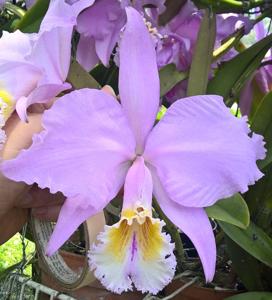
{"type": "Point", "coordinates": [133, 246]}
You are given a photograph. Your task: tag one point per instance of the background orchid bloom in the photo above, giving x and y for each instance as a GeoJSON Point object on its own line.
{"type": "Point", "coordinates": [38, 80]}
{"type": "Point", "coordinates": [262, 76]}
{"type": "Point", "coordinates": [100, 28]}
{"type": "Point", "coordinates": [91, 146]}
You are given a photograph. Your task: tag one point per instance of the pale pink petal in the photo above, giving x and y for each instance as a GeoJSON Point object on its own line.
{"type": "Point", "coordinates": [83, 149]}
{"type": "Point", "coordinates": [203, 153]}
{"type": "Point", "coordinates": [15, 46]}
{"type": "Point", "coordinates": [63, 14]}
{"type": "Point", "coordinates": [18, 78]}
{"type": "Point", "coordinates": [102, 22]}
{"type": "Point", "coordinates": [41, 94]}
{"type": "Point", "coordinates": [73, 213]}
{"type": "Point", "coordinates": [194, 223]}
{"type": "Point", "coordinates": [138, 77]}
{"type": "Point", "coordinates": [138, 186]}
{"type": "Point", "coordinates": [52, 53]}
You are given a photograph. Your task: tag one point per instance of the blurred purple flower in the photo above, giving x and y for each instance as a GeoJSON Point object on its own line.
{"type": "Point", "coordinates": [100, 28]}
{"type": "Point", "coordinates": [262, 76]}
{"type": "Point", "coordinates": [91, 146]}
{"type": "Point", "coordinates": [181, 36]}
{"type": "Point", "coordinates": [34, 66]}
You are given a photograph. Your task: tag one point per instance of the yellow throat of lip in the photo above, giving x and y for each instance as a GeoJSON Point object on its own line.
{"type": "Point", "coordinates": [138, 223]}
{"type": "Point", "coordinates": [6, 104]}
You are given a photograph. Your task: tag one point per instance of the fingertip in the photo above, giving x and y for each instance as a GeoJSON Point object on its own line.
{"type": "Point", "coordinates": [109, 90]}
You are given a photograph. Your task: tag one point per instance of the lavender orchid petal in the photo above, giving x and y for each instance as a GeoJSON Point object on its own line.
{"type": "Point", "coordinates": [196, 153]}
{"type": "Point", "coordinates": [193, 222]}
{"type": "Point", "coordinates": [41, 94]}
{"type": "Point", "coordinates": [103, 22]}
{"type": "Point", "coordinates": [86, 54]}
{"type": "Point", "coordinates": [87, 158]}
{"type": "Point", "coordinates": [16, 44]}
{"type": "Point", "coordinates": [260, 31]}
{"type": "Point", "coordinates": [12, 71]}
{"type": "Point", "coordinates": [73, 213]}
{"type": "Point", "coordinates": [55, 50]}
{"type": "Point", "coordinates": [63, 14]}
{"type": "Point", "coordinates": [138, 78]}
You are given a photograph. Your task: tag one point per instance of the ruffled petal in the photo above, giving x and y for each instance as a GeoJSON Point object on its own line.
{"type": "Point", "coordinates": [84, 148]}
{"type": "Point", "coordinates": [194, 223]}
{"type": "Point", "coordinates": [138, 77]}
{"type": "Point", "coordinates": [202, 153]}
{"type": "Point", "coordinates": [137, 253]}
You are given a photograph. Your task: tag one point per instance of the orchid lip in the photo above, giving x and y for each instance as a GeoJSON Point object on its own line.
{"type": "Point", "coordinates": [135, 247]}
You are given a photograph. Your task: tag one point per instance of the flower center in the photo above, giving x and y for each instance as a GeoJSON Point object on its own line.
{"type": "Point", "coordinates": [136, 231]}
{"type": "Point", "coordinates": [6, 106]}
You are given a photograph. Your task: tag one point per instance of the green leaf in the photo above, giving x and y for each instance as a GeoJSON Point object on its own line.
{"type": "Point", "coordinates": [79, 78]}
{"type": "Point", "coordinates": [232, 210]}
{"type": "Point", "coordinates": [252, 296]}
{"type": "Point", "coordinates": [262, 124]}
{"type": "Point", "coordinates": [246, 266]}
{"type": "Point", "coordinates": [33, 17]}
{"type": "Point", "coordinates": [169, 77]}
{"type": "Point", "coordinates": [252, 239]}
{"type": "Point", "coordinates": [202, 58]}
{"type": "Point", "coordinates": [233, 74]}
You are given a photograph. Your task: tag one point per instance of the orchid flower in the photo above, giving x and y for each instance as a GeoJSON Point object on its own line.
{"type": "Point", "coordinates": [91, 146]}
{"type": "Point", "coordinates": [100, 28]}
{"type": "Point", "coordinates": [180, 37]}
{"type": "Point", "coordinates": [262, 76]}
{"type": "Point", "coordinates": [25, 78]}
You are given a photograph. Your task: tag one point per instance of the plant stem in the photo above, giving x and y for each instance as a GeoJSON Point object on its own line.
{"type": "Point", "coordinates": [172, 229]}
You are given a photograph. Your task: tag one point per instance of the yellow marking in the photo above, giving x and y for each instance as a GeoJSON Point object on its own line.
{"type": "Point", "coordinates": [6, 104]}
{"type": "Point", "coordinates": [128, 213]}
{"type": "Point", "coordinates": [119, 240]}
{"type": "Point", "coordinates": [149, 239]}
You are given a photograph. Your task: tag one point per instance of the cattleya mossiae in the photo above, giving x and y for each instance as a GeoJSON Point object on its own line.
{"type": "Point", "coordinates": [92, 145]}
